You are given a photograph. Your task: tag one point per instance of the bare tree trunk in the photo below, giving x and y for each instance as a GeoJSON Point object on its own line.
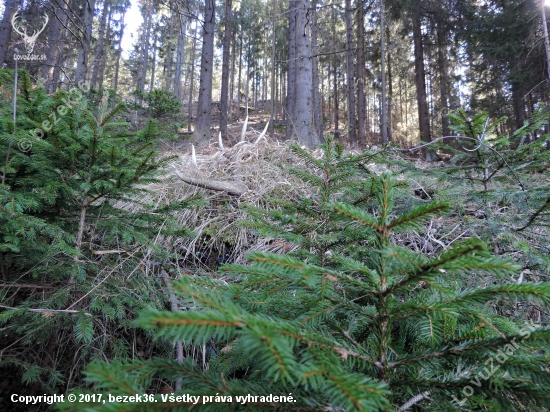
{"type": "Point", "coordinates": [273, 70]}
{"type": "Point", "coordinates": [168, 80]}
{"type": "Point", "coordinates": [5, 29]}
{"type": "Point", "coordinates": [390, 91]}
{"type": "Point", "coordinates": [362, 137]}
{"type": "Point", "coordinates": [442, 63]}
{"type": "Point", "coordinates": [336, 108]}
{"type": "Point", "coordinates": [384, 108]}
{"type": "Point", "coordinates": [84, 49]}
{"type": "Point", "coordinates": [317, 119]}
{"type": "Point", "coordinates": [192, 81]}
{"type": "Point", "coordinates": [291, 82]}
{"type": "Point", "coordinates": [59, 55]}
{"type": "Point", "coordinates": [239, 81]}
{"type": "Point", "coordinates": [53, 42]}
{"type": "Point", "coordinates": [201, 135]}
{"type": "Point", "coordinates": [352, 135]}
{"type": "Point", "coordinates": [224, 107]}
{"type": "Point", "coordinates": [153, 63]}
{"type": "Point", "coordinates": [180, 58]}
{"type": "Point", "coordinates": [420, 80]}
{"type": "Point", "coordinates": [303, 95]}
{"type": "Point", "coordinates": [99, 52]}
{"type": "Point", "coordinates": [103, 62]}
{"type": "Point", "coordinates": [232, 84]}
{"type": "Point", "coordinates": [119, 53]}
{"type": "Point", "coordinates": [148, 20]}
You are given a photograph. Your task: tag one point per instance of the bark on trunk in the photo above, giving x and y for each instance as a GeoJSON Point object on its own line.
{"type": "Point", "coordinates": [84, 44]}
{"type": "Point", "coordinates": [180, 58]}
{"type": "Point", "coordinates": [352, 135]}
{"type": "Point", "coordinates": [291, 82]}
{"type": "Point", "coordinates": [224, 107]}
{"type": "Point", "coordinates": [317, 118]}
{"type": "Point", "coordinates": [53, 41]}
{"type": "Point", "coordinates": [99, 52]}
{"type": "Point", "coordinates": [59, 55]}
{"type": "Point", "coordinates": [119, 53]}
{"type": "Point", "coordinates": [5, 29]}
{"type": "Point", "coordinates": [201, 135]}
{"type": "Point", "coordinates": [420, 80]}
{"type": "Point", "coordinates": [145, 56]}
{"type": "Point", "coordinates": [303, 108]}
{"type": "Point", "coordinates": [442, 63]}
{"type": "Point", "coordinates": [192, 80]}
{"type": "Point", "coordinates": [361, 132]}
{"type": "Point", "coordinates": [153, 63]}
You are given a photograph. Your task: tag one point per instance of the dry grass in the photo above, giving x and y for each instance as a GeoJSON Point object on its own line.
{"type": "Point", "coordinates": [218, 235]}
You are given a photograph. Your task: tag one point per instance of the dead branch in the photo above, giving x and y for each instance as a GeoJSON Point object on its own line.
{"type": "Point", "coordinates": [232, 188]}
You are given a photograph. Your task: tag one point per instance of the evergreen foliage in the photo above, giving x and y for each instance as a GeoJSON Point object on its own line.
{"type": "Point", "coordinates": [70, 255]}
{"type": "Point", "coordinates": [372, 326]}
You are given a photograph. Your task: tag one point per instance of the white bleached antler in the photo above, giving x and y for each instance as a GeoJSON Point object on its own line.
{"type": "Point", "coordinates": [261, 136]}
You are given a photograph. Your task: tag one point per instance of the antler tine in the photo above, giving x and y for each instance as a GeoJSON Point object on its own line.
{"type": "Point", "coordinates": [14, 24]}
{"type": "Point", "coordinates": [37, 32]}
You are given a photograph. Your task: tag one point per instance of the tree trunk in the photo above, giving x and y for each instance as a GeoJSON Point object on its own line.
{"type": "Point", "coordinates": [119, 53]}
{"type": "Point", "coordinates": [389, 104]}
{"type": "Point", "coordinates": [336, 108]}
{"type": "Point", "coordinates": [420, 80]}
{"type": "Point", "coordinates": [201, 135]}
{"type": "Point", "coordinates": [317, 119]}
{"type": "Point", "coordinates": [84, 44]}
{"type": "Point", "coordinates": [99, 52]}
{"type": "Point", "coordinates": [148, 20]}
{"type": "Point", "coordinates": [5, 29]}
{"type": "Point", "coordinates": [180, 58]}
{"type": "Point", "coordinates": [273, 70]}
{"type": "Point", "coordinates": [361, 132]}
{"type": "Point", "coordinates": [303, 95]}
{"type": "Point", "coordinates": [59, 55]}
{"type": "Point", "coordinates": [192, 81]}
{"type": "Point", "coordinates": [53, 42]}
{"type": "Point", "coordinates": [232, 84]}
{"type": "Point", "coordinates": [168, 80]}
{"type": "Point", "coordinates": [239, 92]}
{"type": "Point", "coordinates": [224, 106]}
{"type": "Point", "coordinates": [103, 62]}
{"type": "Point", "coordinates": [153, 63]}
{"type": "Point", "coordinates": [442, 63]}
{"type": "Point", "coordinates": [352, 135]}
{"type": "Point", "coordinates": [291, 82]}
{"type": "Point", "coordinates": [384, 107]}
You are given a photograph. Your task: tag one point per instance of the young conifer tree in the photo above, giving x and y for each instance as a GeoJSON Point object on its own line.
{"type": "Point", "coordinates": [68, 251]}
{"type": "Point", "coordinates": [373, 327]}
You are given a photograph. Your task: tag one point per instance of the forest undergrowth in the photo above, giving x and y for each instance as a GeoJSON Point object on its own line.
{"type": "Point", "coordinates": [352, 280]}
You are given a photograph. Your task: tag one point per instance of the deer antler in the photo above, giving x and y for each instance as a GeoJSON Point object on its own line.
{"type": "Point", "coordinates": [46, 20]}
{"type": "Point", "coordinates": [14, 25]}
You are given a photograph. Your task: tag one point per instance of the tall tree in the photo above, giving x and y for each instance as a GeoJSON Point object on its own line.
{"type": "Point", "coordinates": [100, 49]}
{"type": "Point", "coordinates": [303, 107]}
{"type": "Point", "coordinates": [224, 106]}
{"type": "Point", "coordinates": [420, 80]}
{"type": "Point", "coordinates": [361, 131]}
{"type": "Point", "coordinates": [85, 40]}
{"type": "Point", "coordinates": [291, 74]}
{"type": "Point", "coordinates": [180, 56]}
{"type": "Point", "coordinates": [317, 119]}
{"type": "Point", "coordinates": [201, 134]}
{"type": "Point", "coordinates": [352, 131]}
{"type": "Point", "coordinates": [5, 29]}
